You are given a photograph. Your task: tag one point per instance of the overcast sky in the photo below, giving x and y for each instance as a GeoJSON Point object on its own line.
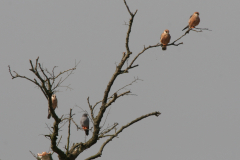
{"type": "Point", "coordinates": [196, 86]}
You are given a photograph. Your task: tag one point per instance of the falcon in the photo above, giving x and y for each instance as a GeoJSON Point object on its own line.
{"type": "Point", "coordinates": [165, 39]}
{"type": "Point", "coordinates": [44, 156]}
{"type": "Point", "coordinates": [85, 123]}
{"type": "Point", "coordinates": [54, 105]}
{"type": "Point", "coordinates": [193, 21]}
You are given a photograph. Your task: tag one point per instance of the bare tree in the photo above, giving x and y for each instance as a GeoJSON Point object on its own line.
{"type": "Point", "coordinates": [48, 82]}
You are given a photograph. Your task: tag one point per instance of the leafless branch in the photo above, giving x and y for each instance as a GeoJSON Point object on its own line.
{"type": "Point", "coordinates": [107, 130]}
{"type": "Point", "coordinates": [96, 104]}
{"type": "Point", "coordinates": [128, 8]}
{"type": "Point", "coordinates": [119, 131]}
{"type": "Point", "coordinates": [106, 117]}
{"type": "Point", "coordinates": [34, 155]}
{"type": "Point", "coordinates": [90, 107]}
{"type": "Point", "coordinates": [201, 29]}
{"type": "Point", "coordinates": [57, 144]}
{"type": "Point", "coordinates": [68, 74]}
{"type": "Point", "coordinates": [48, 128]}
{"type": "Point", "coordinates": [17, 75]}
{"type": "Point", "coordinates": [69, 127]}
{"type": "Point", "coordinates": [59, 141]}
{"type": "Point", "coordinates": [42, 70]}
{"type": "Point", "coordinates": [158, 45]}
{"type": "Point", "coordinates": [76, 124]}
{"type": "Point", "coordinates": [67, 87]}
{"type": "Point", "coordinates": [63, 123]}
{"type": "Point", "coordinates": [115, 96]}
{"type": "Point", "coordinates": [135, 80]}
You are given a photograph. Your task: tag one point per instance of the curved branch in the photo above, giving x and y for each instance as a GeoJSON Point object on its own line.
{"type": "Point", "coordinates": [119, 131]}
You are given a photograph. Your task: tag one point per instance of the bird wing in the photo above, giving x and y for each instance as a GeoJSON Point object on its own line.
{"type": "Point", "coordinates": [84, 122]}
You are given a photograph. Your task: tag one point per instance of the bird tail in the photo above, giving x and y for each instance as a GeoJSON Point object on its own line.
{"type": "Point", "coordinates": [185, 28]}
{"type": "Point", "coordinates": [49, 114]}
{"type": "Point", "coordinates": [164, 48]}
{"type": "Point", "coordinates": [86, 132]}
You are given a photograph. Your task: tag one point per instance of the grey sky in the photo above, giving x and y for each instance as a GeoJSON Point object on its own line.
{"type": "Point", "coordinates": [195, 85]}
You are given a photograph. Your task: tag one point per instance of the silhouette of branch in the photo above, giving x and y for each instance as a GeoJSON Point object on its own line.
{"type": "Point", "coordinates": [90, 107]}
{"type": "Point", "coordinates": [105, 131]}
{"type": "Point", "coordinates": [106, 117]}
{"type": "Point", "coordinates": [135, 80]}
{"type": "Point", "coordinates": [34, 155]}
{"type": "Point", "coordinates": [48, 83]}
{"type": "Point", "coordinates": [119, 131]}
{"type": "Point", "coordinates": [69, 128]}
{"type": "Point", "coordinates": [48, 90]}
{"type": "Point", "coordinates": [115, 96]}
{"type": "Point", "coordinates": [201, 29]}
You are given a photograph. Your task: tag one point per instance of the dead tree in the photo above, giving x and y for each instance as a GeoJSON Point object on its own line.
{"type": "Point", "coordinates": [48, 82]}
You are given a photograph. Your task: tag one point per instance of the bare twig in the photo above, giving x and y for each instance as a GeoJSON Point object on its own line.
{"type": "Point", "coordinates": [115, 96]}
{"type": "Point", "coordinates": [201, 29]}
{"type": "Point", "coordinates": [17, 75]}
{"type": "Point", "coordinates": [63, 124]}
{"type": "Point", "coordinates": [128, 8]}
{"type": "Point", "coordinates": [71, 72]}
{"type": "Point", "coordinates": [34, 155]}
{"type": "Point", "coordinates": [106, 117]}
{"type": "Point", "coordinates": [107, 130]}
{"type": "Point", "coordinates": [90, 107]}
{"type": "Point", "coordinates": [59, 141]}
{"type": "Point", "coordinates": [135, 80]}
{"type": "Point", "coordinates": [48, 128]}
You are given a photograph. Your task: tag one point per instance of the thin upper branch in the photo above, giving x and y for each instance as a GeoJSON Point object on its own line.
{"type": "Point", "coordinates": [105, 131]}
{"type": "Point", "coordinates": [115, 96]}
{"type": "Point", "coordinates": [128, 8]}
{"type": "Point", "coordinates": [34, 155]}
{"type": "Point", "coordinates": [106, 117]}
{"type": "Point", "coordinates": [158, 45]}
{"type": "Point", "coordinates": [91, 108]}
{"type": "Point", "coordinates": [129, 27]}
{"type": "Point", "coordinates": [119, 67]}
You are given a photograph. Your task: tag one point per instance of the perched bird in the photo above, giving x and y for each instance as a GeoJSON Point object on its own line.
{"type": "Point", "coordinates": [85, 123]}
{"type": "Point", "coordinates": [165, 39]}
{"type": "Point", "coordinates": [193, 21]}
{"type": "Point", "coordinates": [44, 156]}
{"type": "Point", "coordinates": [54, 105]}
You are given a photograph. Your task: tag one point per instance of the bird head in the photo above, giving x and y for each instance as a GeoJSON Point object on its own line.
{"type": "Point", "coordinates": [54, 96]}
{"type": "Point", "coordinates": [85, 115]}
{"type": "Point", "coordinates": [196, 13]}
{"type": "Point", "coordinates": [166, 31]}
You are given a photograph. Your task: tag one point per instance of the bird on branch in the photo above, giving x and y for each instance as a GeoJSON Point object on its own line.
{"type": "Point", "coordinates": [193, 21]}
{"type": "Point", "coordinates": [165, 39]}
{"type": "Point", "coordinates": [85, 123]}
{"type": "Point", "coordinates": [54, 105]}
